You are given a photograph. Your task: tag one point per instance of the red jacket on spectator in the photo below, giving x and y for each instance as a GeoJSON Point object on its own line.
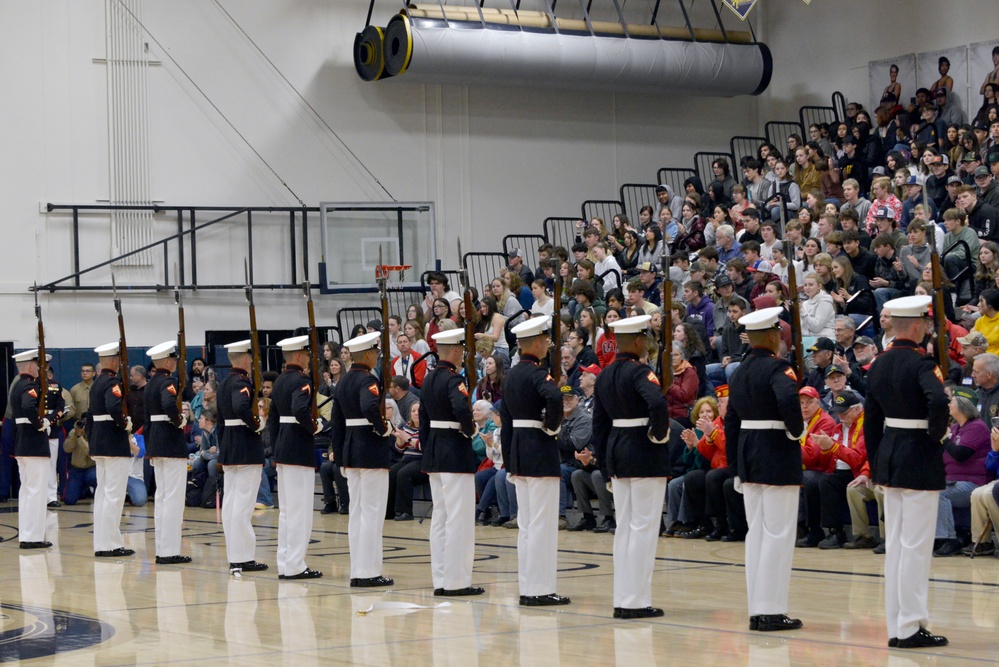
{"type": "Point", "coordinates": [418, 371]}
{"type": "Point", "coordinates": [683, 392]}
{"type": "Point", "coordinates": [606, 349]}
{"type": "Point", "coordinates": [853, 453]}
{"type": "Point", "coordinates": [821, 422]}
{"type": "Point", "coordinates": [713, 448]}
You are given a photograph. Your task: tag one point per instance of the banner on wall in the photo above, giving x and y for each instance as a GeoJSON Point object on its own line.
{"type": "Point", "coordinates": [740, 7]}
{"type": "Point", "coordinates": [892, 77]}
{"type": "Point", "coordinates": [983, 66]}
{"type": "Point", "coordinates": [946, 69]}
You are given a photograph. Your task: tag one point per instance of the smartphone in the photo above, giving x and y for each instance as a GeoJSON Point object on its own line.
{"type": "Point", "coordinates": [912, 100]}
{"type": "Point", "coordinates": [995, 422]}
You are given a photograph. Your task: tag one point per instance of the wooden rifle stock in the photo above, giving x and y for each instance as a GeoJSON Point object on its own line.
{"type": "Point", "coordinates": [181, 351]}
{"type": "Point", "coordinates": [940, 344]}
{"type": "Point", "coordinates": [471, 373]}
{"type": "Point", "coordinates": [386, 366]}
{"type": "Point", "coordinates": [666, 330]}
{"type": "Point", "coordinates": [256, 376]}
{"type": "Point", "coordinates": [555, 356]}
{"type": "Point", "coordinates": [313, 352]}
{"type": "Point", "coordinates": [43, 363]}
{"type": "Point", "coordinates": [797, 348]}
{"type": "Point", "coordinates": [124, 368]}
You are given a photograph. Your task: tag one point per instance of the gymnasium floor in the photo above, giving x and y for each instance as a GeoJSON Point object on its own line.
{"type": "Point", "coordinates": [61, 606]}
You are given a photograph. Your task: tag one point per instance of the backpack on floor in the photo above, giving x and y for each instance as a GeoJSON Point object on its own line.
{"type": "Point", "coordinates": [212, 485]}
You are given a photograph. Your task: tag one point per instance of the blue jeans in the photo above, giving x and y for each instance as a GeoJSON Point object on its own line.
{"type": "Point", "coordinates": [485, 487]}
{"type": "Point", "coordinates": [674, 502]}
{"type": "Point", "coordinates": [81, 481]}
{"type": "Point", "coordinates": [565, 483]}
{"type": "Point", "coordinates": [506, 494]}
{"type": "Point", "coordinates": [957, 494]}
{"type": "Point", "coordinates": [719, 375]}
{"type": "Point", "coordinates": [883, 295]}
{"type": "Point", "coordinates": [136, 492]}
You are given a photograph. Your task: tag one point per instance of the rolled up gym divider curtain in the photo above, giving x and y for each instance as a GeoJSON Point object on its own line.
{"type": "Point", "coordinates": [506, 48]}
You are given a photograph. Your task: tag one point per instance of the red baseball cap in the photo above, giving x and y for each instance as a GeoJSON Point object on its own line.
{"type": "Point", "coordinates": [809, 391]}
{"type": "Point", "coordinates": [592, 368]}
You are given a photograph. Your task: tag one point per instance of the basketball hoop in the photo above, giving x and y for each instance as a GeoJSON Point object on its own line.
{"type": "Point", "coordinates": [385, 271]}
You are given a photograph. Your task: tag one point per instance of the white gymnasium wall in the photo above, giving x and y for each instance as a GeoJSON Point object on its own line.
{"type": "Point", "coordinates": [496, 161]}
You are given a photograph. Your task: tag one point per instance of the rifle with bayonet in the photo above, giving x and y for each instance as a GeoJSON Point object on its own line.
{"type": "Point", "coordinates": [940, 345]}
{"type": "Point", "coordinates": [123, 369]}
{"type": "Point", "coordinates": [666, 329]}
{"type": "Point", "coordinates": [794, 308]}
{"type": "Point", "coordinates": [181, 349]}
{"type": "Point", "coordinates": [386, 366]}
{"type": "Point", "coordinates": [256, 375]}
{"type": "Point", "coordinates": [471, 374]}
{"type": "Point", "coordinates": [555, 355]}
{"type": "Point", "coordinates": [43, 364]}
{"type": "Point", "coordinates": [313, 352]}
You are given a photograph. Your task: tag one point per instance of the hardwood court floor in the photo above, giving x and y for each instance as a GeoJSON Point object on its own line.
{"type": "Point", "coordinates": [64, 607]}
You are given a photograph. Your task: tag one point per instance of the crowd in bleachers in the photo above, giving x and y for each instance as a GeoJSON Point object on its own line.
{"type": "Point", "coordinates": [854, 214]}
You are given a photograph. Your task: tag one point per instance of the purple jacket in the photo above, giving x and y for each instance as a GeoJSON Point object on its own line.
{"type": "Point", "coordinates": [975, 436]}
{"type": "Point", "coordinates": [704, 311]}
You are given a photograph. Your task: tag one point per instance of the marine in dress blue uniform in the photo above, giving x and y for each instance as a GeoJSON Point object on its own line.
{"type": "Point", "coordinates": [630, 436]}
{"type": "Point", "coordinates": [31, 449]}
{"type": "Point", "coordinates": [367, 455]}
{"type": "Point", "coordinates": [446, 431]}
{"type": "Point", "coordinates": [906, 414]}
{"type": "Point", "coordinates": [241, 455]}
{"type": "Point", "coordinates": [109, 435]}
{"type": "Point", "coordinates": [531, 411]}
{"type": "Point", "coordinates": [292, 430]}
{"type": "Point", "coordinates": [763, 425]}
{"type": "Point", "coordinates": [166, 450]}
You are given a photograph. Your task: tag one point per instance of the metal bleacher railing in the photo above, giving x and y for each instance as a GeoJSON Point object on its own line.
{"type": "Point", "coordinates": [674, 178]}
{"type": "Point", "coordinates": [778, 131]}
{"type": "Point", "coordinates": [636, 195]}
{"type": "Point", "coordinates": [743, 147]}
{"type": "Point", "coordinates": [528, 245]}
{"type": "Point", "coordinates": [702, 165]}
{"type": "Point", "coordinates": [605, 209]}
{"type": "Point", "coordinates": [809, 115]}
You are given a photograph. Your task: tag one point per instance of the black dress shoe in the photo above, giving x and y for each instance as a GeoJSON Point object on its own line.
{"type": "Point", "coordinates": [114, 553]}
{"type": "Point", "coordinates": [459, 592]}
{"type": "Point", "coordinates": [371, 582]}
{"type": "Point", "coordinates": [734, 536]}
{"type": "Point", "coordinates": [403, 516]}
{"type": "Point", "coordinates": [862, 542]}
{"type": "Point", "coordinates": [585, 523]}
{"type": "Point", "coordinates": [543, 600]}
{"type": "Point", "coordinates": [305, 574]}
{"type": "Point", "coordinates": [172, 560]}
{"type": "Point", "coordinates": [344, 509]}
{"type": "Point", "coordinates": [754, 622]}
{"type": "Point", "coordinates": [643, 612]}
{"type": "Point", "coordinates": [774, 623]}
{"type": "Point", "coordinates": [892, 642]}
{"type": "Point", "coordinates": [716, 535]}
{"type": "Point", "coordinates": [880, 549]}
{"type": "Point", "coordinates": [248, 566]}
{"type": "Point", "coordinates": [35, 545]}
{"type": "Point", "coordinates": [922, 639]}
{"type": "Point", "coordinates": [54, 504]}
{"type": "Point", "coordinates": [328, 508]}
{"type": "Point", "coordinates": [697, 533]}
{"type": "Point", "coordinates": [608, 525]}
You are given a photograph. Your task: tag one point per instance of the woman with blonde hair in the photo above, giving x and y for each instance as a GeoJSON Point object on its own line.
{"type": "Point", "coordinates": [818, 312]}
{"type": "Point", "coordinates": [853, 295]}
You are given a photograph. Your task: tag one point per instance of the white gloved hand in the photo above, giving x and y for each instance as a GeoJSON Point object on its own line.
{"type": "Point", "coordinates": [553, 433]}
{"type": "Point", "coordinates": [261, 425]}
{"type": "Point", "coordinates": [389, 429]}
{"type": "Point", "coordinates": [320, 425]}
{"type": "Point", "coordinates": [183, 422]}
{"type": "Point", "coordinates": [128, 423]}
{"type": "Point", "coordinates": [44, 428]}
{"type": "Point", "coordinates": [737, 484]}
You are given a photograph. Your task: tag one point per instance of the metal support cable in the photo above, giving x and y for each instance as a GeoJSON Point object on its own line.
{"type": "Point", "coordinates": [306, 102]}
{"type": "Point", "coordinates": [214, 106]}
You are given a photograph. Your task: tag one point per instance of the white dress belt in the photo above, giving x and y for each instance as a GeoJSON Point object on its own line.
{"type": "Point", "coordinates": [288, 420]}
{"type": "Point", "coordinates": [159, 418]}
{"type": "Point", "coordinates": [102, 418]}
{"type": "Point", "coordinates": [454, 426]}
{"type": "Point", "coordinates": [233, 422]}
{"type": "Point", "coordinates": [360, 421]}
{"type": "Point", "coordinates": [22, 420]}
{"type": "Point", "coordinates": [528, 423]}
{"type": "Point", "coordinates": [630, 423]}
{"type": "Point", "coordinates": [763, 425]}
{"type": "Point", "coordinates": [893, 422]}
